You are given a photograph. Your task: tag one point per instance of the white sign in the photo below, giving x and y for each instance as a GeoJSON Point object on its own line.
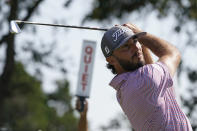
{"type": "Point", "coordinates": [86, 68]}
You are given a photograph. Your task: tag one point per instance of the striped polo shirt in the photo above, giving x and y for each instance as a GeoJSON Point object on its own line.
{"type": "Point", "coordinates": [147, 98]}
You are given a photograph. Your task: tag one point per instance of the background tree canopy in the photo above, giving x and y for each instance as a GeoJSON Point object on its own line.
{"type": "Point", "coordinates": [28, 107]}
{"type": "Point", "coordinates": [23, 104]}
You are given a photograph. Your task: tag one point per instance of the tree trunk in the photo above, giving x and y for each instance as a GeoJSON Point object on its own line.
{"type": "Point", "coordinates": [9, 61]}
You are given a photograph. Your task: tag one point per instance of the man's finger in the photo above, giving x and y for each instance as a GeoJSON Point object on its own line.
{"type": "Point", "coordinates": [130, 26]}
{"type": "Point", "coordinates": [77, 105]}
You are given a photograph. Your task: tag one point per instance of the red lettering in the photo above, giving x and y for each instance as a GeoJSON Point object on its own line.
{"type": "Point", "coordinates": [88, 50]}
{"type": "Point", "coordinates": [84, 81]}
{"type": "Point", "coordinates": [84, 86]}
{"type": "Point", "coordinates": [87, 59]}
{"type": "Point", "coordinates": [86, 68]}
{"type": "Point", "coordinates": [84, 77]}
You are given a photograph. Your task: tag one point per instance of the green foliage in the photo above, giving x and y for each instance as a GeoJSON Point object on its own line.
{"type": "Point", "coordinates": [192, 76]}
{"type": "Point", "coordinates": [28, 109]}
{"type": "Point", "coordinates": [61, 101]}
{"type": "Point", "coordinates": [119, 123]}
{"type": "Point", "coordinates": [24, 106]}
{"type": "Point", "coordinates": [105, 9]}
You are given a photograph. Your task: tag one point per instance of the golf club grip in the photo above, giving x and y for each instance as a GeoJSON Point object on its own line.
{"type": "Point", "coordinates": [81, 99]}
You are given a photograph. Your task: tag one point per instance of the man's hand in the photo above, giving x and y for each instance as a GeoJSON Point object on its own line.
{"type": "Point", "coordinates": [146, 52]}
{"type": "Point", "coordinates": [167, 53]}
{"type": "Point", "coordinates": [133, 27]}
{"type": "Point", "coordinates": [83, 123]}
{"type": "Point", "coordinates": [78, 106]}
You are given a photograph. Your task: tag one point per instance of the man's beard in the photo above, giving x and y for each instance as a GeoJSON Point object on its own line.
{"type": "Point", "coordinates": [130, 66]}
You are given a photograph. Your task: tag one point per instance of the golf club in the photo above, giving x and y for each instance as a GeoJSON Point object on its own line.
{"type": "Point", "coordinates": [14, 28]}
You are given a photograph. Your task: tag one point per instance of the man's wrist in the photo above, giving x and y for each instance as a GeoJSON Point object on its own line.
{"type": "Point", "coordinates": [83, 114]}
{"type": "Point", "coordinates": [146, 36]}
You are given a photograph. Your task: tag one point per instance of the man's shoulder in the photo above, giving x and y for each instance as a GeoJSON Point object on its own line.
{"type": "Point", "coordinates": [157, 67]}
{"type": "Point", "coordinates": [150, 72]}
{"type": "Point", "coordinates": [156, 73]}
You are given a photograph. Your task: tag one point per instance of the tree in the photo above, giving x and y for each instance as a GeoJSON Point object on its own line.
{"type": "Point", "coordinates": [23, 104]}
{"type": "Point", "coordinates": [60, 100]}
{"type": "Point", "coordinates": [29, 108]}
{"type": "Point", "coordinates": [185, 13]}
{"type": "Point", "coordinates": [118, 123]}
{"type": "Point", "coordinates": [11, 10]}
{"type": "Point", "coordinates": [25, 107]}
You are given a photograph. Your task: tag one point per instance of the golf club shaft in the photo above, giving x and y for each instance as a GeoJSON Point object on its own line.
{"type": "Point", "coordinates": [59, 25]}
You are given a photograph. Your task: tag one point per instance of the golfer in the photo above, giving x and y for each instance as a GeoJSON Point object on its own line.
{"type": "Point", "coordinates": [144, 89]}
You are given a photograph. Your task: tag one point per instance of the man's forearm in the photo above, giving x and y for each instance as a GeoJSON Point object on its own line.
{"type": "Point", "coordinates": [166, 52]}
{"type": "Point", "coordinates": [158, 46]}
{"type": "Point", "coordinates": [147, 55]}
{"type": "Point", "coordinates": [83, 123]}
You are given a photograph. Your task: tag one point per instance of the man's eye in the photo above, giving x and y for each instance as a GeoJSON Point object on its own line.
{"type": "Point", "coordinates": [125, 47]}
{"type": "Point", "coordinates": [134, 41]}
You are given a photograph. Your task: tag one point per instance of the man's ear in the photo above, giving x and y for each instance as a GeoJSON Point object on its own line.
{"type": "Point", "coordinates": [111, 60]}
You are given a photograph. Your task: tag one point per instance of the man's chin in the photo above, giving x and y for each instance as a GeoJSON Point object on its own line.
{"type": "Point", "coordinates": [135, 67]}
{"type": "Point", "coordinates": [129, 66]}
{"type": "Point", "coordinates": [141, 63]}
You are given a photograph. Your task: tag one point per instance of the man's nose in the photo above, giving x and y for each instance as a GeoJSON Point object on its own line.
{"type": "Point", "coordinates": [135, 46]}
{"type": "Point", "coordinates": [138, 45]}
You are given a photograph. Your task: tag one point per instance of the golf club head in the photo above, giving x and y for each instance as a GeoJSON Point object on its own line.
{"type": "Point", "coordinates": [14, 28]}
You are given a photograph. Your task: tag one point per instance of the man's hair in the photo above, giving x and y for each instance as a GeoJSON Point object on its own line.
{"type": "Point", "coordinates": [111, 67]}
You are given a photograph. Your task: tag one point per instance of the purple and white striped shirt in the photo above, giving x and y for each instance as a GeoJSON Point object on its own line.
{"type": "Point", "coordinates": [147, 98]}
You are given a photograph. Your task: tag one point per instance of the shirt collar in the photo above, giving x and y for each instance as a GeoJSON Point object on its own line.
{"type": "Point", "coordinates": [118, 80]}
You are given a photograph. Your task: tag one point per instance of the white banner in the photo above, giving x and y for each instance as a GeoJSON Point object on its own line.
{"type": "Point", "coordinates": [86, 68]}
